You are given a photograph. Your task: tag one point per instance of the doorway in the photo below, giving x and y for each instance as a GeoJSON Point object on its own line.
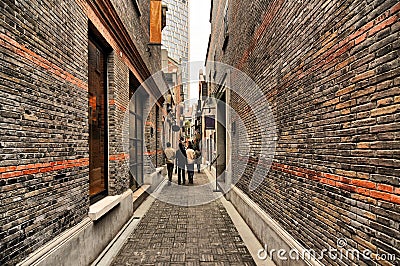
{"type": "Point", "coordinates": [221, 141]}
{"type": "Point", "coordinates": [98, 135]}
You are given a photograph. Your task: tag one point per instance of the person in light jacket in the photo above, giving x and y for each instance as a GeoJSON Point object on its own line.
{"type": "Point", "coordinates": [190, 162]}
{"type": "Point", "coordinates": [197, 151]}
{"type": "Point", "coordinates": [170, 158]}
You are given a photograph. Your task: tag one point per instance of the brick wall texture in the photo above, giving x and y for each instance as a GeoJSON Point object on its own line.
{"type": "Point", "coordinates": [44, 130]}
{"type": "Point", "coordinates": [153, 139]}
{"type": "Point", "coordinates": [330, 71]}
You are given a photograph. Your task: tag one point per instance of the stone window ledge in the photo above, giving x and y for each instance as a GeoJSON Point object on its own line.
{"type": "Point", "coordinates": [102, 207]}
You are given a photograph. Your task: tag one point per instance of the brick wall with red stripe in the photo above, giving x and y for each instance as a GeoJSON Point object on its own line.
{"type": "Point", "coordinates": [330, 71]}
{"type": "Point", "coordinates": [43, 124]}
{"type": "Point", "coordinates": [44, 131]}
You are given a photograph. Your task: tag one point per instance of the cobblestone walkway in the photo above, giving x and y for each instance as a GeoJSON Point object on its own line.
{"type": "Point", "coordinates": [171, 234]}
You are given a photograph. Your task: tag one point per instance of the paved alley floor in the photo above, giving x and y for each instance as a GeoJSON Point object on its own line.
{"type": "Point", "coordinates": [177, 230]}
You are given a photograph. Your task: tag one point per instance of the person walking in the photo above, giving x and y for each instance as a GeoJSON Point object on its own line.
{"type": "Point", "coordinates": [170, 158]}
{"type": "Point", "coordinates": [197, 148]}
{"type": "Point", "coordinates": [181, 162]}
{"type": "Point", "coordinates": [190, 162]}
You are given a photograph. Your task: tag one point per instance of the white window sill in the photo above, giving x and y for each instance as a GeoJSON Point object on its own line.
{"type": "Point", "coordinates": [100, 208]}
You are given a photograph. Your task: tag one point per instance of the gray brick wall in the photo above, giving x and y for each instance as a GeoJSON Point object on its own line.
{"type": "Point", "coordinates": [154, 141]}
{"type": "Point", "coordinates": [118, 95]}
{"type": "Point", "coordinates": [330, 72]}
{"type": "Point", "coordinates": [44, 173]}
{"type": "Point", "coordinates": [138, 28]}
{"type": "Point", "coordinates": [44, 127]}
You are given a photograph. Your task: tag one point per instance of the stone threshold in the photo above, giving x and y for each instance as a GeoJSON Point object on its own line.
{"type": "Point", "coordinates": [103, 206]}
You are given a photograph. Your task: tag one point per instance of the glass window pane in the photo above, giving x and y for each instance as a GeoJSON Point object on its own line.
{"type": "Point", "coordinates": [139, 146]}
{"type": "Point", "coordinates": [132, 126]}
{"type": "Point", "coordinates": [133, 175]}
{"type": "Point", "coordinates": [139, 104]}
{"type": "Point", "coordinates": [136, 127]}
{"type": "Point", "coordinates": [132, 104]}
{"type": "Point", "coordinates": [139, 129]}
{"type": "Point", "coordinates": [139, 175]}
{"type": "Point", "coordinates": [132, 152]}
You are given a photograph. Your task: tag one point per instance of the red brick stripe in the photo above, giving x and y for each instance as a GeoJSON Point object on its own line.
{"type": "Point", "coordinates": [119, 157]}
{"type": "Point", "coordinates": [120, 106]}
{"type": "Point", "coordinates": [25, 53]}
{"type": "Point", "coordinates": [148, 153]}
{"type": "Point", "coordinates": [28, 169]}
{"type": "Point", "coordinates": [364, 187]}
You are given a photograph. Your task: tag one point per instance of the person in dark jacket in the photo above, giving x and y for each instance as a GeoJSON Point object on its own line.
{"type": "Point", "coordinates": [181, 163]}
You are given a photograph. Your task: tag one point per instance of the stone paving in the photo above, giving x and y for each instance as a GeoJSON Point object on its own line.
{"type": "Point", "coordinates": [183, 234]}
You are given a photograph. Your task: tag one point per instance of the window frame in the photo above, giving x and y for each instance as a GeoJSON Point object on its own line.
{"type": "Point", "coordinates": [136, 6]}
{"type": "Point", "coordinates": [226, 25]}
{"type": "Point", "coordinates": [137, 115]}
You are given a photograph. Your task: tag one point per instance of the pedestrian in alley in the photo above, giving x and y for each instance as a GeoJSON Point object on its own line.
{"type": "Point", "coordinates": [170, 158]}
{"type": "Point", "coordinates": [196, 148]}
{"type": "Point", "coordinates": [181, 162]}
{"type": "Point", "coordinates": [190, 162]}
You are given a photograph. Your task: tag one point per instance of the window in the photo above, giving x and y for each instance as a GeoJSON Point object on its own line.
{"type": "Point", "coordinates": [211, 10]}
{"type": "Point", "coordinates": [156, 129]}
{"type": "Point", "coordinates": [137, 100]}
{"type": "Point", "coordinates": [226, 25]}
{"type": "Point", "coordinates": [98, 136]}
{"type": "Point", "coordinates": [136, 5]}
{"type": "Point", "coordinates": [215, 66]}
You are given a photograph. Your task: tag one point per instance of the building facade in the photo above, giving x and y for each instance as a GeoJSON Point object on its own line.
{"type": "Point", "coordinates": [175, 38]}
{"type": "Point", "coordinates": [174, 103]}
{"type": "Point", "coordinates": [78, 142]}
{"type": "Point", "coordinates": [207, 110]}
{"type": "Point", "coordinates": [330, 73]}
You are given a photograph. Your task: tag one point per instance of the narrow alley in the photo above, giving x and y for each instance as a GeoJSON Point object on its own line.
{"type": "Point", "coordinates": [176, 234]}
{"type": "Point", "coordinates": [290, 109]}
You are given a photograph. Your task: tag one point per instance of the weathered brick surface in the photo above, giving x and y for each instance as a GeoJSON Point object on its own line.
{"type": "Point", "coordinates": [138, 29]}
{"type": "Point", "coordinates": [153, 140]}
{"type": "Point", "coordinates": [43, 117]}
{"type": "Point", "coordinates": [331, 73]}
{"type": "Point", "coordinates": [44, 173]}
{"type": "Point", "coordinates": [118, 96]}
